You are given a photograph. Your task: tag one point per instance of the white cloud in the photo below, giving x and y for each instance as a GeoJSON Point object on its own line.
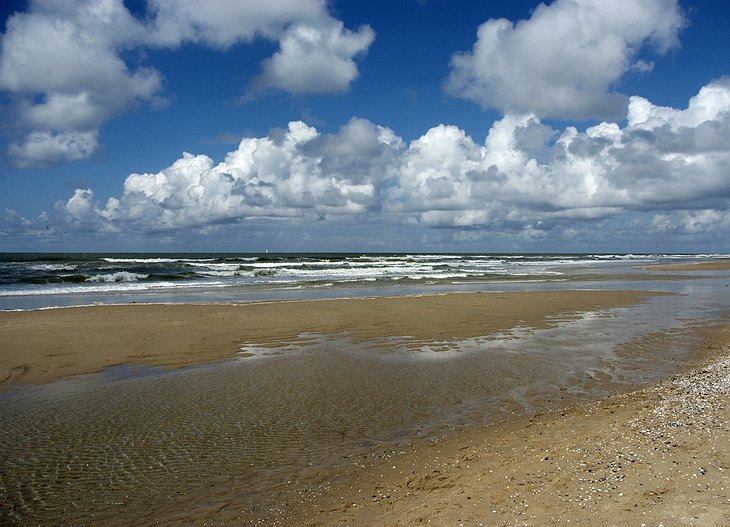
{"type": "Point", "coordinates": [564, 59]}
{"type": "Point", "coordinates": [708, 105]}
{"type": "Point", "coordinates": [80, 207]}
{"type": "Point", "coordinates": [525, 179]}
{"type": "Point", "coordinates": [62, 63]}
{"type": "Point", "coordinates": [295, 172]}
{"type": "Point", "coordinates": [316, 52]}
{"type": "Point", "coordinates": [223, 23]}
{"type": "Point", "coordinates": [53, 147]}
{"type": "Point", "coordinates": [692, 222]}
{"type": "Point", "coordinates": [315, 59]}
{"type": "Point", "coordinates": [435, 172]}
{"type": "Point", "coordinates": [68, 45]}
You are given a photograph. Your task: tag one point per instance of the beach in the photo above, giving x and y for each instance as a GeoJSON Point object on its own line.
{"type": "Point", "coordinates": [655, 456]}
{"type": "Point", "coordinates": [715, 265]}
{"type": "Point", "coordinates": [576, 406]}
{"type": "Point", "coordinates": [40, 346]}
{"type": "Point", "coordinates": [320, 263]}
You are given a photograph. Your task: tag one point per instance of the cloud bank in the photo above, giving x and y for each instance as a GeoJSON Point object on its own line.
{"type": "Point", "coordinates": [62, 62]}
{"type": "Point", "coordinates": [525, 178]}
{"type": "Point", "coordinates": [563, 61]}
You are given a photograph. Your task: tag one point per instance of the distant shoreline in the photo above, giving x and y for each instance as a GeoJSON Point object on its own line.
{"type": "Point", "coordinates": [717, 265]}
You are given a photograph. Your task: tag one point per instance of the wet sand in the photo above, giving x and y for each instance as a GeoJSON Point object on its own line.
{"type": "Point", "coordinates": [41, 346]}
{"type": "Point", "coordinates": [715, 265]}
{"type": "Point", "coordinates": [657, 456]}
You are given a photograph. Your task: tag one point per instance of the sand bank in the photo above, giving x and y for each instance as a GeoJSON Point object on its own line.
{"type": "Point", "coordinates": [40, 346]}
{"type": "Point", "coordinates": [715, 265]}
{"type": "Point", "coordinates": [657, 456]}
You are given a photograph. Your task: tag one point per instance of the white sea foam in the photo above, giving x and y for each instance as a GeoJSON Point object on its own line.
{"type": "Point", "coordinates": [121, 276]}
{"type": "Point", "coordinates": [53, 267]}
{"type": "Point", "coordinates": [140, 260]}
{"type": "Point", "coordinates": [215, 266]}
{"type": "Point", "coordinates": [110, 287]}
{"type": "Point", "coordinates": [156, 260]}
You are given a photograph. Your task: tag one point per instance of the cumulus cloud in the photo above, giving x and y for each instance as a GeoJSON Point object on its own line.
{"type": "Point", "coordinates": [296, 172]}
{"type": "Point", "coordinates": [315, 59]}
{"type": "Point", "coordinates": [563, 61]}
{"type": "Point", "coordinates": [316, 52]}
{"type": "Point", "coordinates": [226, 22]}
{"type": "Point", "coordinates": [663, 159]}
{"type": "Point", "coordinates": [525, 178]}
{"type": "Point", "coordinates": [690, 223]}
{"type": "Point", "coordinates": [706, 107]}
{"type": "Point", "coordinates": [53, 147]}
{"type": "Point", "coordinates": [62, 61]}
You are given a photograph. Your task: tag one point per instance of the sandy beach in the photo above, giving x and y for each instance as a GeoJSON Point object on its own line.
{"type": "Point", "coordinates": [654, 456]}
{"type": "Point", "coordinates": [40, 346]}
{"type": "Point", "coordinates": [716, 265]}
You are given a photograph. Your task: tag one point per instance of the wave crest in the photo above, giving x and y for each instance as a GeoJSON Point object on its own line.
{"type": "Point", "coordinates": [121, 276]}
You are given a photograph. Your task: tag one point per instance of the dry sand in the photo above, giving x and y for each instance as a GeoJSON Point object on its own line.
{"type": "Point", "coordinates": [657, 456]}
{"type": "Point", "coordinates": [40, 346]}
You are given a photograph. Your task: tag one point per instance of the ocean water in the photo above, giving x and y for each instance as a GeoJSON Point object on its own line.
{"type": "Point", "coordinates": [31, 281]}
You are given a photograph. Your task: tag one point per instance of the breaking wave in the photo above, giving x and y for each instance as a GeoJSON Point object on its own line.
{"type": "Point", "coordinates": [121, 276]}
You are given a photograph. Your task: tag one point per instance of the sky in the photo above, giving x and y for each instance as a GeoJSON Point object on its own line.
{"type": "Point", "coordinates": [365, 125]}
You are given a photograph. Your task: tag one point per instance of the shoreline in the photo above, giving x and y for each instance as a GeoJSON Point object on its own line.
{"type": "Point", "coordinates": [44, 345]}
{"type": "Point", "coordinates": [714, 265]}
{"type": "Point", "coordinates": [658, 455]}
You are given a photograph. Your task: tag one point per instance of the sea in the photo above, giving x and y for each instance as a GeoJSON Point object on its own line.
{"type": "Point", "coordinates": [44, 280]}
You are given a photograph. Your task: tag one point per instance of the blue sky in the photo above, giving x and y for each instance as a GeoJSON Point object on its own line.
{"type": "Point", "coordinates": [407, 125]}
